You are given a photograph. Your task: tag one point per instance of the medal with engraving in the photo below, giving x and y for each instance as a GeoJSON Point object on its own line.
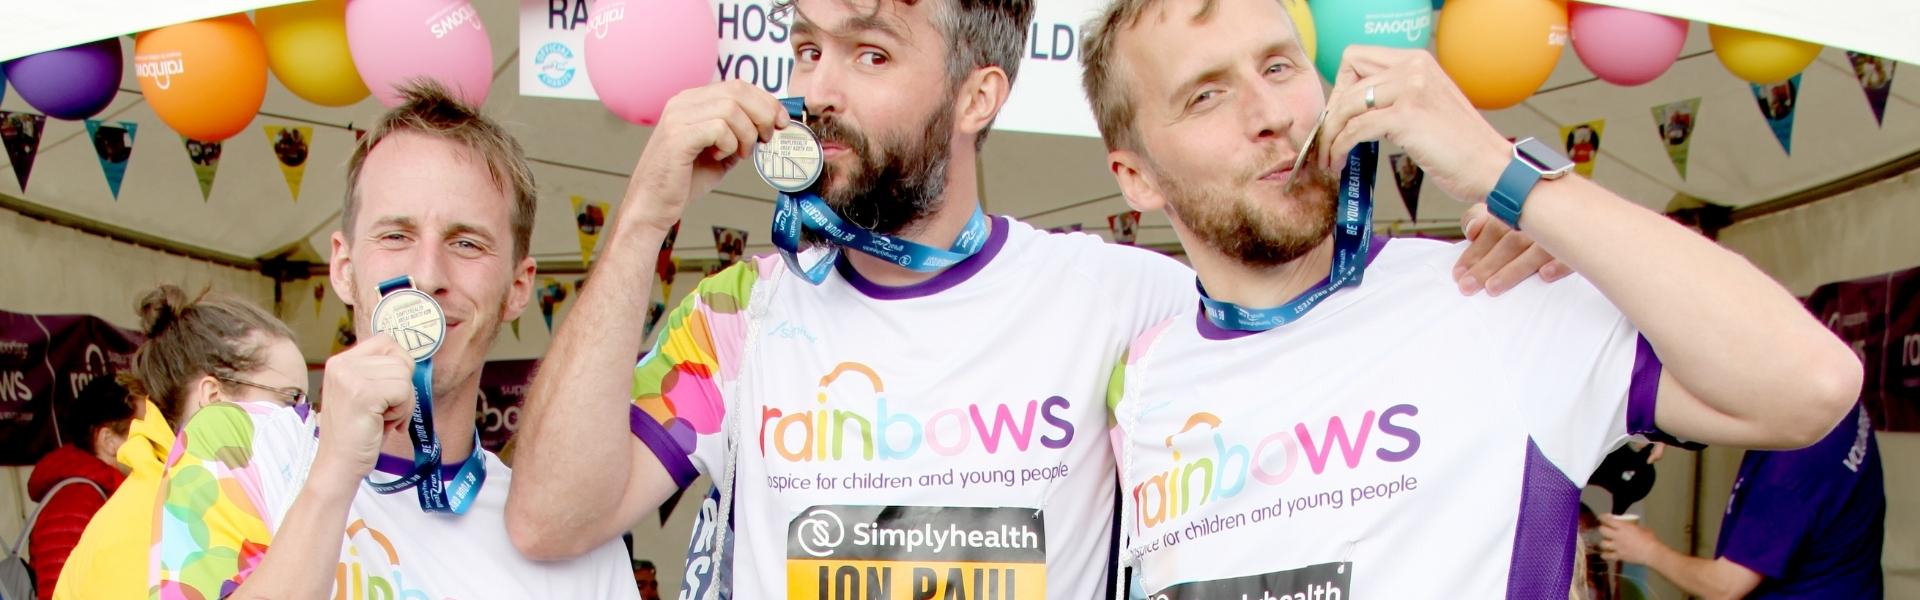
{"type": "Point", "coordinates": [792, 163]}
{"type": "Point", "coordinates": [414, 319]}
{"type": "Point", "coordinates": [416, 322]}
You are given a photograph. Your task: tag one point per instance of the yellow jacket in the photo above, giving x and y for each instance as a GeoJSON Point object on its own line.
{"type": "Point", "coordinates": [111, 560]}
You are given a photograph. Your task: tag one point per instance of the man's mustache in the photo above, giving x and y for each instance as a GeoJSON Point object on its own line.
{"type": "Point", "coordinates": [832, 130]}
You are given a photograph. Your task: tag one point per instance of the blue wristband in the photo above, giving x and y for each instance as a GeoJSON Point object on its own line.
{"type": "Point", "coordinates": [1509, 196]}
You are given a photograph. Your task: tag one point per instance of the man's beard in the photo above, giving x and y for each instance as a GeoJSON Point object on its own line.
{"type": "Point", "coordinates": [1227, 220]}
{"type": "Point", "coordinates": [898, 182]}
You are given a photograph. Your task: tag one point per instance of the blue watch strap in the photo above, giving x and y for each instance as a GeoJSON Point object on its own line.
{"type": "Point", "coordinates": [1509, 196]}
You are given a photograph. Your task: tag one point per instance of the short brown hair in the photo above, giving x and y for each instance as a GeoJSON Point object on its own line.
{"type": "Point", "coordinates": [211, 334]}
{"type": "Point", "coordinates": [980, 33]}
{"type": "Point", "coordinates": [427, 108]}
{"type": "Point", "coordinates": [1104, 81]}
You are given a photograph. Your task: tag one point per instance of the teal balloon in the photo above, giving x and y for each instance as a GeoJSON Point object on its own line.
{"type": "Point", "coordinates": [1391, 23]}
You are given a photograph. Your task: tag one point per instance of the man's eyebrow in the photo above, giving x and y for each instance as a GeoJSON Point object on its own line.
{"type": "Point", "coordinates": [400, 221]}
{"type": "Point", "coordinates": [468, 229]}
{"type": "Point", "coordinates": [1186, 88]}
{"type": "Point", "coordinates": [863, 23]}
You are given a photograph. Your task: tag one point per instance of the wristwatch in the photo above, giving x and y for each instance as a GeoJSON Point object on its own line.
{"type": "Point", "coordinates": [1532, 162]}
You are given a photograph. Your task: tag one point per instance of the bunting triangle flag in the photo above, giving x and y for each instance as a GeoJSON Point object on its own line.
{"type": "Point", "coordinates": [20, 133]}
{"type": "Point", "coordinates": [666, 508]}
{"type": "Point", "coordinates": [666, 283]}
{"type": "Point", "coordinates": [1407, 175]}
{"type": "Point", "coordinates": [1777, 105]}
{"type": "Point", "coordinates": [113, 145]}
{"type": "Point", "coordinates": [1876, 79]}
{"type": "Point", "coordinates": [552, 293]}
{"type": "Point", "coordinates": [206, 163]}
{"type": "Point", "coordinates": [664, 266]}
{"type": "Point", "coordinates": [589, 218]}
{"type": "Point", "coordinates": [654, 311]}
{"type": "Point", "coordinates": [516, 328]}
{"type": "Point", "coordinates": [343, 337]}
{"type": "Point", "coordinates": [1124, 226]}
{"type": "Point", "coordinates": [1675, 123]}
{"type": "Point", "coordinates": [1583, 145]}
{"type": "Point", "coordinates": [290, 149]}
{"type": "Point", "coordinates": [731, 244]}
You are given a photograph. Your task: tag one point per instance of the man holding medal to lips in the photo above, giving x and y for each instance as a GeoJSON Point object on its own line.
{"type": "Point", "coordinates": [1263, 452]}
{"type": "Point", "coordinates": [907, 398]}
{"type": "Point", "coordinates": [384, 492]}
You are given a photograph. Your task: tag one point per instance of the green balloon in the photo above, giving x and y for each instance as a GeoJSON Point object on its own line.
{"type": "Point", "coordinates": [1391, 23]}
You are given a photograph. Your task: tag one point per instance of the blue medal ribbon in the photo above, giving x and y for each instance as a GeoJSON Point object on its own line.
{"type": "Point", "coordinates": [1352, 233]}
{"type": "Point", "coordinates": [435, 494]}
{"type": "Point", "coordinates": [795, 213]}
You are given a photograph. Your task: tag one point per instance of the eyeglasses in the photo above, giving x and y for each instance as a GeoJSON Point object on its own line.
{"type": "Point", "coordinates": [298, 396]}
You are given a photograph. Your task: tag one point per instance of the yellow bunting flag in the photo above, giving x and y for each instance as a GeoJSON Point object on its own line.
{"type": "Point", "coordinates": [589, 218]}
{"type": "Point", "coordinates": [290, 149]}
{"type": "Point", "coordinates": [1583, 145]}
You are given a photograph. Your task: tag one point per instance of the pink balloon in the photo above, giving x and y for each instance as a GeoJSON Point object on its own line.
{"type": "Point", "coordinates": [394, 41]}
{"type": "Point", "coordinates": [1625, 47]}
{"type": "Point", "coordinates": [638, 59]}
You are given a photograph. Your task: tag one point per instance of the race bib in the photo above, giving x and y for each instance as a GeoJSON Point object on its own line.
{"type": "Point", "coordinates": [1326, 581]}
{"type": "Point", "coordinates": [905, 552]}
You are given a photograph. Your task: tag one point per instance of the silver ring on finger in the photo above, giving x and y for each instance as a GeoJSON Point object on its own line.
{"type": "Point", "coordinates": [1369, 98]}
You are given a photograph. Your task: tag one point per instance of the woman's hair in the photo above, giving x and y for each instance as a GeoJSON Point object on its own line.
{"type": "Point", "coordinates": [212, 334]}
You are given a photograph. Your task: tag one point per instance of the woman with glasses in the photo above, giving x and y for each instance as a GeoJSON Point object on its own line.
{"type": "Point", "coordinates": [201, 351]}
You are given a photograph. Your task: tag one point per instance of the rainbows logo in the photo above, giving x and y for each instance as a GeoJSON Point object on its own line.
{"type": "Point", "coordinates": [1272, 461]}
{"type": "Point", "coordinates": [855, 420]}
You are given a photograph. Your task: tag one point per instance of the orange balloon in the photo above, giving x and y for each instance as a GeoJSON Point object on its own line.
{"type": "Point", "coordinates": [1500, 51]}
{"type": "Point", "coordinates": [206, 79]}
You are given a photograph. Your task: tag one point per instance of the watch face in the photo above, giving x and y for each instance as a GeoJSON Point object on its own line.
{"type": "Point", "coordinates": [1543, 157]}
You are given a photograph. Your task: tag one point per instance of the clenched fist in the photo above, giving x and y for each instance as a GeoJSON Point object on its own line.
{"type": "Point", "coordinates": [368, 390]}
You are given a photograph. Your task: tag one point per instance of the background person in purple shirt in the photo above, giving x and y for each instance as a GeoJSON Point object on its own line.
{"type": "Point", "coordinates": [1802, 523]}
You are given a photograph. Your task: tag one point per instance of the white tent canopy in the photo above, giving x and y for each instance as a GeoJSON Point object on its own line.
{"type": "Point", "coordinates": [578, 148]}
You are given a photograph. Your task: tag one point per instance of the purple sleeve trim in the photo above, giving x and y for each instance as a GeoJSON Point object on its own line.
{"type": "Point", "coordinates": [1643, 393]}
{"type": "Point", "coordinates": [1644, 389]}
{"type": "Point", "coordinates": [671, 455]}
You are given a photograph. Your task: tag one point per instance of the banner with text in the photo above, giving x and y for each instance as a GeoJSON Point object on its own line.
{"type": "Point", "coordinates": [503, 387]}
{"type": "Point", "coordinates": [755, 47]}
{"type": "Point", "coordinates": [1879, 317]}
{"type": "Point", "coordinates": [44, 362]}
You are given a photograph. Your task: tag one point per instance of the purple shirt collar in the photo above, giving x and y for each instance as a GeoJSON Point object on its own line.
{"type": "Point", "coordinates": [942, 281]}
{"type": "Point", "coordinates": [1215, 332]}
{"type": "Point", "coordinates": [400, 467]}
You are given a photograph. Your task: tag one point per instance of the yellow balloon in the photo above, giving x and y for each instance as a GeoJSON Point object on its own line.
{"type": "Point", "coordinates": [1758, 57]}
{"type": "Point", "coordinates": [307, 49]}
{"type": "Point", "coordinates": [1500, 51]}
{"type": "Point", "coordinates": [1303, 21]}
